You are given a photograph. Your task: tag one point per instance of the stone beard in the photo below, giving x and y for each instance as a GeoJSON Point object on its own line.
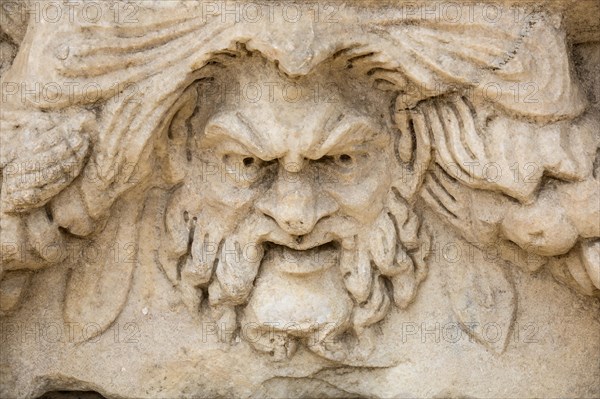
{"type": "Point", "coordinates": [286, 217]}
{"type": "Point", "coordinates": [204, 204]}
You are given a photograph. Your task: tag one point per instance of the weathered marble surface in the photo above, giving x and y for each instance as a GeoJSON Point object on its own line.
{"type": "Point", "coordinates": [300, 199]}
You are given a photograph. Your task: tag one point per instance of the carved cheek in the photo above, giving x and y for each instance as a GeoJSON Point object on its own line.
{"type": "Point", "coordinates": [363, 199]}
{"type": "Point", "coordinates": [210, 183]}
{"type": "Point", "coordinates": [219, 191]}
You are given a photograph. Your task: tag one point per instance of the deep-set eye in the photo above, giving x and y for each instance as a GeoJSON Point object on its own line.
{"type": "Point", "coordinates": [245, 161]}
{"type": "Point", "coordinates": [243, 168]}
{"type": "Point", "coordinates": [249, 161]}
{"type": "Point", "coordinates": [345, 159]}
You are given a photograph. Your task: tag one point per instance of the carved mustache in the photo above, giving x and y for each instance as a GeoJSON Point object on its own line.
{"type": "Point", "coordinates": [254, 232]}
{"type": "Point", "coordinates": [228, 262]}
{"type": "Point", "coordinates": [243, 250]}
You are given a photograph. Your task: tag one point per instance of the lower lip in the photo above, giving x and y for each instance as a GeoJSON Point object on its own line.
{"type": "Point", "coordinates": [302, 262]}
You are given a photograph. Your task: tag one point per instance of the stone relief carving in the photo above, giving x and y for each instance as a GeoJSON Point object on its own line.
{"type": "Point", "coordinates": [292, 178]}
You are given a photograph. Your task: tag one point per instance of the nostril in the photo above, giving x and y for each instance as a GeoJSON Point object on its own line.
{"type": "Point", "coordinates": [294, 223]}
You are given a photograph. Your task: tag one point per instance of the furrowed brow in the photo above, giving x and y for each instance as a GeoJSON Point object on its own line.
{"type": "Point", "coordinates": [349, 133]}
{"type": "Point", "coordinates": [237, 128]}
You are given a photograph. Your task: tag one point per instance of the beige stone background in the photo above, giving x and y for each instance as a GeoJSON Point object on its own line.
{"type": "Point", "coordinates": [155, 348]}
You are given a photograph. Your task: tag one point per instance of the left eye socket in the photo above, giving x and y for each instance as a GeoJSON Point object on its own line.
{"type": "Point", "coordinates": [341, 160]}
{"type": "Point", "coordinates": [250, 161]}
{"type": "Point", "coordinates": [344, 159]}
{"type": "Point", "coordinates": [243, 169]}
{"type": "Point", "coordinates": [245, 161]}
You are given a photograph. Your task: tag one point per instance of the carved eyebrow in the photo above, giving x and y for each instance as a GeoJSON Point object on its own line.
{"type": "Point", "coordinates": [349, 132]}
{"type": "Point", "coordinates": [250, 129]}
{"type": "Point", "coordinates": [236, 128]}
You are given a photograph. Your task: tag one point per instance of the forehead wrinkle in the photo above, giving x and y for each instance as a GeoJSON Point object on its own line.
{"type": "Point", "coordinates": [318, 132]}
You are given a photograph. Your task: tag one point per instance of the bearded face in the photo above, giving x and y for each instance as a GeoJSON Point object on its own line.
{"type": "Point", "coordinates": [286, 219]}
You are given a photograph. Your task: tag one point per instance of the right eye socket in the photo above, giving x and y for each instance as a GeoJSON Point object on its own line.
{"type": "Point", "coordinates": [242, 161]}
{"type": "Point", "coordinates": [244, 169]}
{"type": "Point", "coordinates": [249, 161]}
{"type": "Point", "coordinates": [343, 161]}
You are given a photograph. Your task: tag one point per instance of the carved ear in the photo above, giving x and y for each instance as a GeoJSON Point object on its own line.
{"type": "Point", "coordinates": [97, 290]}
{"type": "Point", "coordinates": [173, 147]}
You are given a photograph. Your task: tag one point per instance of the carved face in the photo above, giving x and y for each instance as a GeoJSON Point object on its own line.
{"type": "Point", "coordinates": [286, 198]}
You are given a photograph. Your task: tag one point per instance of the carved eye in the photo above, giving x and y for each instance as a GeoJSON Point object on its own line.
{"type": "Point", "coordinates": [342, 163]}
{"type": "Point", "coordinates": [246, 161]}
{"type": "Point", "coordinates": [249, 161]}
{"type": "Point", "coordinates": [243, 168]}
{"type": "Point", "coordinates": [341, 160]}
{"type": "Point", "coordinates": [345, 159]}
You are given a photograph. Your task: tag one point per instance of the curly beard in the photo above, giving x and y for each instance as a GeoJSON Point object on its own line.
{"type": "Point", "coordinates": [375, 264]}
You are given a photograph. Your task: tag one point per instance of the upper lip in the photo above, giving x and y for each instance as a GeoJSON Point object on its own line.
{"type": "Point", "coordinates": [322, 233]}
{"type": "Point", "coordinates": [300, 243]}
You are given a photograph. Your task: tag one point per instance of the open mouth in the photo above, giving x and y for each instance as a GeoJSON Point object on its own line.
{"type": "Point", "coordinates": [306, 261]}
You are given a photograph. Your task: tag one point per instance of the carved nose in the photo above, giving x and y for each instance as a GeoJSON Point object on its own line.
{"type": "Point", "coordinates": [296, 212]}
{"type": "Point", "coordinates": [291, 202]}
